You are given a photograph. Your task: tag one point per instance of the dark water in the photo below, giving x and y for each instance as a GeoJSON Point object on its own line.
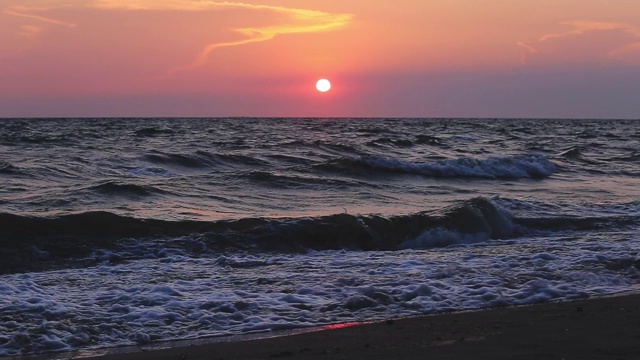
{"type": "Point", "coordinates": [278, 223]}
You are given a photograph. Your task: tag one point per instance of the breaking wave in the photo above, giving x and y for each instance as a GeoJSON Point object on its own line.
{"type": "Point", "coordinates": [71, 239]}
{"type": "Point", "coordinates": [509, 167]}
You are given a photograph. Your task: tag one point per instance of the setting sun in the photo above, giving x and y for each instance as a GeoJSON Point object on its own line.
{"type": "Point", "coordinates": [323, 85]}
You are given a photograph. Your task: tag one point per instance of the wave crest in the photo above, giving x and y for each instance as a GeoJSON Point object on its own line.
{"type": "Point", "coordinates": [510, 167]}
{"type": "Point", "coordinates": [9, 169]}
{"type": "Point", "coordinates": [72, 238]}
{"type": "Point", "coordinates": [125, 189]}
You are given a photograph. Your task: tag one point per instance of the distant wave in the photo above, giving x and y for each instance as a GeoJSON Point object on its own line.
{"type": "Point", "coordinates": [44, 139]}
{"type": "Point", "coordinates": [125, 189]}
{"type": "Point", "coordinates": [9, 169]}
{"type": "Point", "coordinates": [201, 159]}
{"type": "Point", "coordinates": [633, 156]}
{"type": "Point", "coordinates": [509, 167]}
{"type": "Point", "coordinates": [152, 131]}
{"type": "Point", "coordinates": [234, 159]}
{"type": "Point", "coordinates": [280, 180]}
{"type": "Point", "coordinates": [572, 152]}
{"type": "Point", "coordinates": [189, 161]}
{"type": "Point", "coordinates": [406, 142]}
{"type": "Point", "coordinates": [73, 238]}
{"type": "Point", "coordinates": [429, 140]}
{"type": "Point", "coordinates": [151, 172]}
{"type": "Point", "coordinates": [392, 142]}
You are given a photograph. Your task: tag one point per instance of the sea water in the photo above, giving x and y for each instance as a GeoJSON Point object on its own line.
{"type": "Point", "coordinates": [131, 231]}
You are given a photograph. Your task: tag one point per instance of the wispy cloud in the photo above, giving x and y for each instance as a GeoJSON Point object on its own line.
{"type": "Point", "coordinates": [292, 20]}
{"type": "Point", "coordinates": [581, 28]}
{"type": "Point", "coordinates": [301, 21]}
{"type": "Point", "coordinates": [30, 12]}
{"type": "Point", "coordinates": [31, 31]}
{"type": "Point", "coordinates": [298, 20]}
{"type": "Point", "coordinates": [528, 48]}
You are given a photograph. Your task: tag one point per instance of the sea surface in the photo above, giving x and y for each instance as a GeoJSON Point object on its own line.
{"type": "Point", "coordinates": [119, 232]}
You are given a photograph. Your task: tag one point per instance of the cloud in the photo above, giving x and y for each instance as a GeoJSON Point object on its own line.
{"type": "Point", "coordinates": [31, 31]}
{"type": "Point", "coordinates": [29, 13]}
{"type": "Point", "coordinates": [304, 21]}
{"type": "Point", "coordinates": [294, 20]}
{"type": "Point", "coordinates": [582, 27]}
{"type": "Point", "coordinates": [623, 42]}
{"type": "Point", "coordinates": [629, 50]}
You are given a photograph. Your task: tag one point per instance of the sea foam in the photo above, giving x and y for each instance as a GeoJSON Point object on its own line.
{"type": "Point", "coordinates": [177, 297]}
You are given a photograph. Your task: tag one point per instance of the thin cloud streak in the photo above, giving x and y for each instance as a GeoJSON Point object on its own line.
{"type": "Point", "coordinates": [312, 21]}
{"type": "Point", "coordinates": [31, 31]}
{"type": "Point", "coordinates": [528, 48]}
{"type": "Point", "coordinates": [25, 12]}
{"type": "Point", "coordinates": [583, 27]}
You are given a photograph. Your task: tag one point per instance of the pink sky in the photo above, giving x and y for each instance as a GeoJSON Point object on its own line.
{"type": "Point", "coordinates": [418, 58]}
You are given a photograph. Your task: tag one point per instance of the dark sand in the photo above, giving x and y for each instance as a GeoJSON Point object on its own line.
{"type": "Point", "coordinates": [598, 328]}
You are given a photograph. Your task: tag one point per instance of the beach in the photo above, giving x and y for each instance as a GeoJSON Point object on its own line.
{"type": "Point", "coordinates": [597, 328]}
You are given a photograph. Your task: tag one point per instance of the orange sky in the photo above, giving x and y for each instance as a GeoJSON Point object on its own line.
{"type": "Point", "coordinates": [484, 58]}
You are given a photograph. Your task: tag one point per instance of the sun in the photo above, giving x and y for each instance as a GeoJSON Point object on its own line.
{"type": "Point", "coordinates": [323, 85]}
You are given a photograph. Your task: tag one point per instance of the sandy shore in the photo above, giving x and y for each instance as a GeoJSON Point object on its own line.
{"type": "Point", "coordinates": [599, 328]}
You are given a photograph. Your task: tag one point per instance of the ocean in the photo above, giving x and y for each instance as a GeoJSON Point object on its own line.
{"type": "Point", "coordinates": [118, 232]}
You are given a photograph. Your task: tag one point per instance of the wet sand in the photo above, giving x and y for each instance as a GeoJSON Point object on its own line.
{"type": "Point", "coordinates": [598, 328]}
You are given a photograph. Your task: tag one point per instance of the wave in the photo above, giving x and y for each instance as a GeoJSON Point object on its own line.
{"type": "Point", "coordinates": [151, 172]}
{"type": "Point", "coordinates": [70, 240]}
{"type": "Point", "coordinates": [402, 143]}
{"type": "Point", "coordinates": [572, 152]}
{"type": "Point", "coordinates": [429, 140]}
{"type": "Point", "coordinates": [280, 180]}
{"type": "Point", "coordinates": [290, 159]}
{"type": "Point", "coordinates": [189, 161]}
{"type": "Point", "coordinates": [376, 130]}
{"type": "Point", "coordinates": [633, 156]}
{"type": "Point", "coordinates": [335, 148]}
{"type": "Point", "coordinates": [9, 169]}
{"type": "Point", "coordinates": [202, 159]}
{"type": "Point", "coordinates": [405, 142]}
{"type": "Point", "coordinates": [152, 131]}
{"type": "Point", "coordinates": [44, 139]}
{"type": "Point", "coordinates": [511, 167]}
{"type": "Point", "coordinates": [234, 159]}
{"type": "Point", "coordinates": [125, 189]}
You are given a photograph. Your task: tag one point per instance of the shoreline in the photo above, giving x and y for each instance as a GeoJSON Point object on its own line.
{"type": "Point", "coordinates": [593, 328]}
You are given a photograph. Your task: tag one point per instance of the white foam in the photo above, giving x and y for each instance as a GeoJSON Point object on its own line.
{"type": "Point", "coordinates": [512, 167]}
{"type": "Point", "coordinates": [179, 297]}
{"type": "Point", "coordinates": [443, 237]}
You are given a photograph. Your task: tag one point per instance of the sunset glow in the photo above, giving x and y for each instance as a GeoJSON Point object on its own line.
{"type": "Point", "coordinates": [561, 58]}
